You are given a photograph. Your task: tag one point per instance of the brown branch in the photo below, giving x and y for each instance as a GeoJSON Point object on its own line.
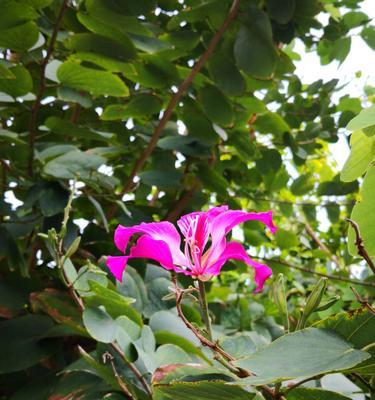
{"type": "Point", "coordinates": [42, 87]}
{"type": "Point", "coordinates": [360, 246]}
{"type": "Point", "coordinates": [173, 102]}
{"type": "Point", "coordinates": [363, 301]}
{"type": "Point", "coordinates": [108, 357]}
{"type": "Point", "coordinates": [321, 245]}
{"type": "Point", "coordinates": [309, 271]}
{"type": "Point", "coordinates": [181, 203]}
{"type": "Point", "coordinates": [295, 385]}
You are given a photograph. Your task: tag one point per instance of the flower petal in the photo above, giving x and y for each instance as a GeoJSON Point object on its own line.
{"type": "Point", "coordinates": [164, 231]}
{"type": "Point", "coordinates": [236, 251]}
{"type": "Point", "coordinates": [226, 221]}
{"type": "Point", "coordinates": [157, 250]}
{"type": "Point", "coordinates": [117, 265]}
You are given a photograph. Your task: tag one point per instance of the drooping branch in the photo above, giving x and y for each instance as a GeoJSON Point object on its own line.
{"type": "Point", "coordinates": [321, 245]}
{"type": "Point", "coordinates": [360, 246]}
{"type": "Point", "coordinates": [172, 104]}
{"type": "Point", "coordinates": [42, 86]}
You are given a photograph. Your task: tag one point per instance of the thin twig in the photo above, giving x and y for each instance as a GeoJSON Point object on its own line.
{"type": "Point", "coordinates": [295, 385]}
{"type": "Point", "coordinates": [108, 357]}
{"type": "Point", "coordinates": [321, 245]}
{"type": "Point", "coordinates": [363, 301]}
{"type": "Point", "coordinates": [309, 271]}
{"type": "Point", "coordinates": [360, 246]}
{"type": "Point", "coordinates": [42, 86]}
{"type": "Point", "coordinates": [173, 102]}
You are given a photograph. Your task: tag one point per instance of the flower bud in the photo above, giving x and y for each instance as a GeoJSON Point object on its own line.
{"type": "Point", "coordinates": [333, 300]}
{"type": "Point", "coordinates": [312, 302]}
{"type": "Point", "coordinates": [280, 299]}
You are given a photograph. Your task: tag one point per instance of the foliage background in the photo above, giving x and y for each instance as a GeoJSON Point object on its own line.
{"type": "Point", "coordinates": [88, 95]}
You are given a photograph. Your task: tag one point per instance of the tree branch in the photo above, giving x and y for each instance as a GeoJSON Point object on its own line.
{"type": "Point", "coordinates": [42, 87]}
{"type": "Point", "coordinates": [321, 245]}
{"type": "Point", "coordinates": [360, 246]}
{"type": "Point", "coordinates": [309, 271]}
{"type": "Point", "coordinates": [173, 102]}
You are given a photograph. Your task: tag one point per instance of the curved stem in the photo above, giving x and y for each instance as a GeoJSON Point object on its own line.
{"type": "Point", "coordinates": [204, 308]}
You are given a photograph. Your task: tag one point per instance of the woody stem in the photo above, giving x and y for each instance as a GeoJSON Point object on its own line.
{"type": "Point", "coordinates": [204, 308]}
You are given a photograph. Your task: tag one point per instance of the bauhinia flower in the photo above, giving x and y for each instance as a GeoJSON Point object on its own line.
{"type": "Point", "coordinates": [204, 251]}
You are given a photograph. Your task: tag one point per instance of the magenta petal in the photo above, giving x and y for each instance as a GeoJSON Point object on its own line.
{"type": "Point", "coordinates": [157, 250]}
{"type": "Point", "coordinates": [236, 251]}
{"type": "Point", "coordinates": [117, 265]}
{"type": "Point", "coordinates": [164, 231]}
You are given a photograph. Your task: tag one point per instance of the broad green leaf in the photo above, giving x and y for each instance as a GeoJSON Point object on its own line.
{"type": "Point", "coordinates": [302, 185]}
{"type": "Point", "coordinates": [161, 179]}
{"type": "Point", "coordinates": [216, 106]}
{"type": "Point", "coordinates": [368, 35]}
{"type": "Point", "coordinates": [99, 324]}
{"type": "Point", "coordinates": [6, 73]}
{"type": "Point", "coordinates": [91, 80]}
{"type": "Point", "coordinates": [304, 353]}
{"type": "Point", "coordinates": [170, 353]}
{"type": "Point", "coordinates": [356, 327]}
{"type": "Point", "coordinates": [226, 75]}
{"type": "Point", "coordinates": [100, 45]}
{"type": "Point", "coordinates": [208, 390]}
{"type": "Point", "coordinates": [73, 164]}
{"type": "Point", "coordinates": [238, 346]}
{"type": "Point", "coordinates": [162, 319]}
{"type": "Point", "coordinates": [365, 119]}
{"type": "Point", "coordinates": [70, 95]}
{"type": "Point", "coordinates": [254, 50]}
{"type": "Point", "coordinates": [60, 307]}
{"type": "Point", "coordinates": [286, 239]}
{"type": "Point", "coordinates": [243, 145]}
{"type": "Point", "coordinates": [22, 84]}
{"type": "Point", "coordinates": [271, 123]}
{"type": "Point", "coordinates": [353, 19]}
{"type": "Point", "coordinates": [20, 37]}
{"type": "Point", "coordinates": [165, 337]}
{"type": "Point", "coordinates": [65, 127]}
{"type": "Point", "coordinates": [281, 10]}
{"type": "Point", "coordinates": [364, 214]}
{"type": "Point", "coordinates": [15, 13]}
{"type": "Point", "coordinates": [213, 180]}
{"type": "Point", "coordinates": [21, 343]}
{"type": "Point", "coordinates": [314, 394]}
{"type": "Point", "coordinates": [361, 155]}
{"type": "Point", "coordinates": [142, 105]}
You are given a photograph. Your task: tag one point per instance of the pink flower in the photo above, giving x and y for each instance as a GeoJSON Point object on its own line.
{"type": "Point", "coordinates": [161, 242]}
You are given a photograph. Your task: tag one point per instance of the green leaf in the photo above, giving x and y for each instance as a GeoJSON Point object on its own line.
{"type": "Point", "coordinates": [361, 155]}
{"type": "Point", "coordinates": [91, 80]}
{"type": "Point", "coordinates": [60, 307]}
{"type": "Point", "coordinates": [254, 50]}
{"type": "Point", "coordinates": [142, 105]}
{"type": "Point", "coordinates": [281, 10]}
{"type": "Point", "coordinates": [21, 85]}
{"type": "Point", "coordinates": [213, 180]}
{"type": "Point", "coordinates": [368, 35]}
{"type": "Point", "coordinates": [165, 337]}
{"type": "Point", "coordinates": [65, 127]}
{"type": "Point", "coordinates": [100, 45]}
{"type": "Point", "coordinates": [169, 353]}
{"type": "Point", "coordinates": [304, 353]}
{"type": "Point", "coordinates": [365, 119]}
{"type": "Point", "coordinates": [286, 239]}
{"type": "Point", "coordinates": [99, 324]}
{"type": "Point", "coordinates": [364, 214]}
{"type": "Point", "coordinates": [243, 144]}
{"type": "Point", "coordinates": [302, 185]}
{"type": "Point", "coordinates": [352, 19]}
{"type": "Point", "coordinates": [314, 393]}
{"type": "Point", "coordinates": [216, 106]}
{"type": "Point", "coordinates": [15, 13]}
{"type": "Point", "coordinates": [21, 342]}
{"type": "Point", "coordinates": [271, 123]}
{"type": "Point", "coordinates": [238, 346]}
{"type": "Point", "coordinates": [226, 75]}
{"type": "Point", "coordinates": [21, 37]}
{"type": "Point", "coordinates": [70, 95]}
{"type": "Point", "coordinates": [73, 164]}
{"type": "Point", "coordinates": [161, 179]}
{"type": "Point", "coordinates": [214, 390]}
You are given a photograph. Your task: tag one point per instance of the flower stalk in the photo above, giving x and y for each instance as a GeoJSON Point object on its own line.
{"type": "Point", "coordinates": [204, 308]}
